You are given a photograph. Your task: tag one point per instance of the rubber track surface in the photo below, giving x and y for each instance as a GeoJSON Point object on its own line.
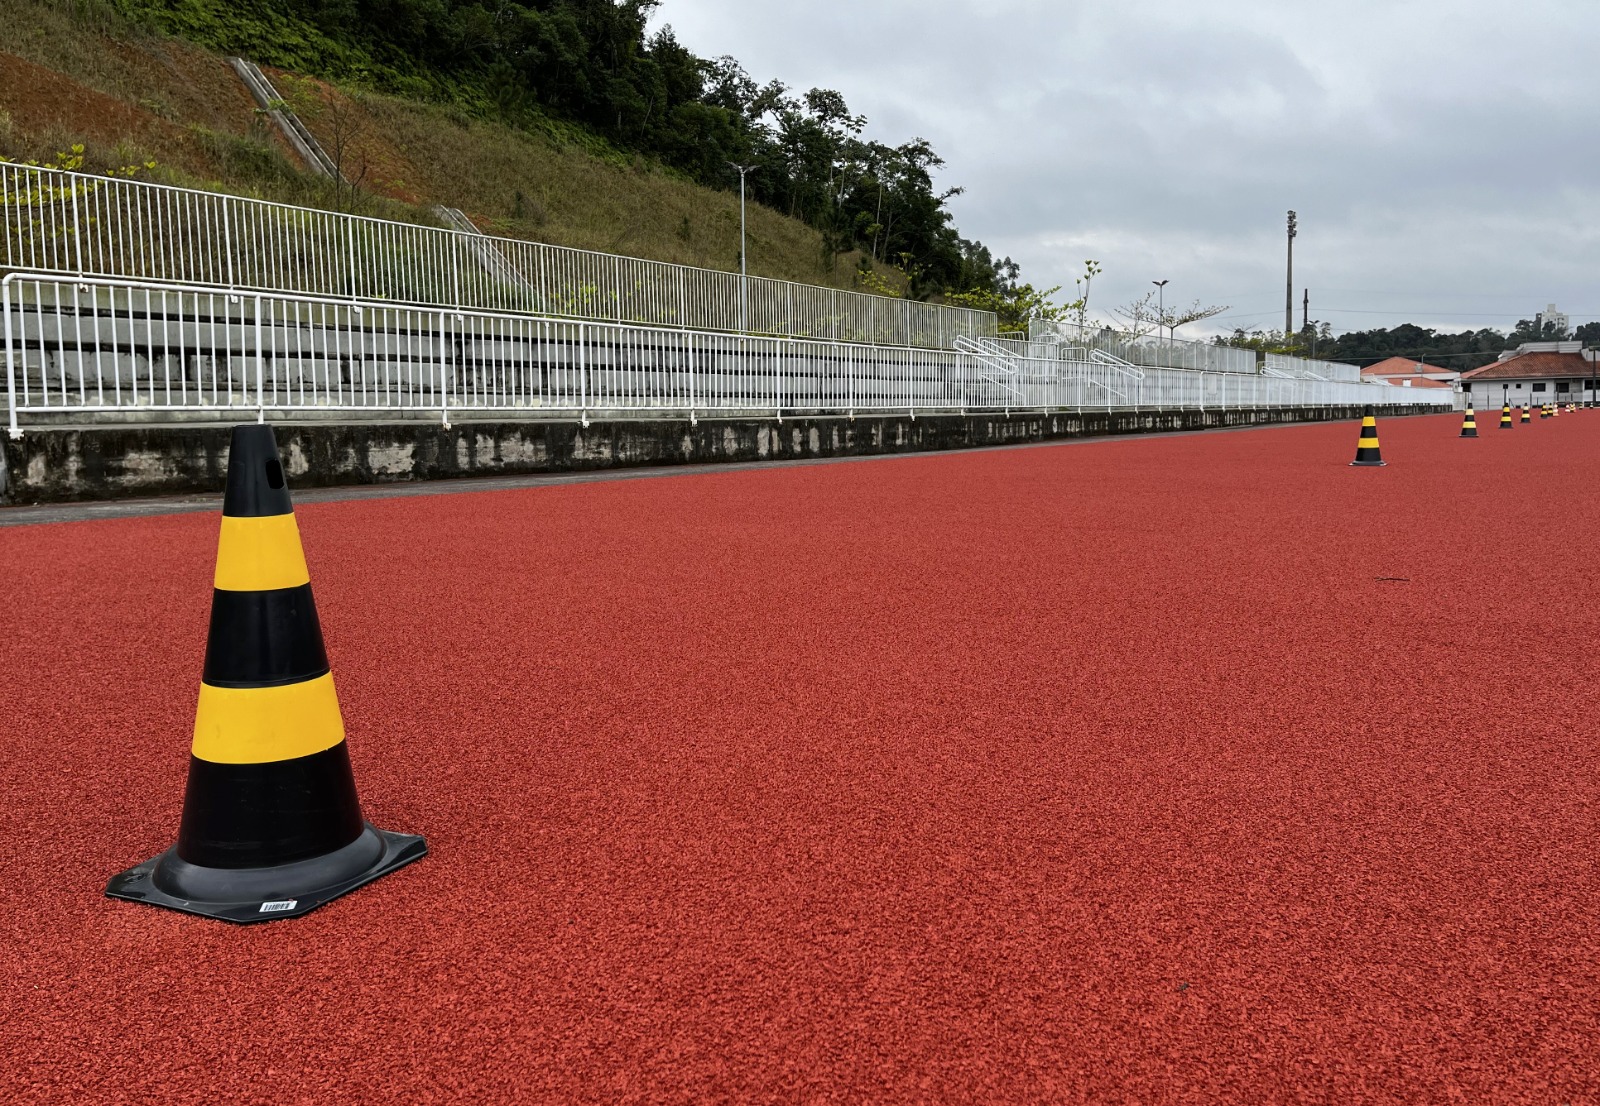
{"type": "Point", "coordinates": [1202, 769]}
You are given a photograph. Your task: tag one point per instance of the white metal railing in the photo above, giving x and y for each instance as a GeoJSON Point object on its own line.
{"type": "Point", "coordinates": [121, 350]}
{"type": "Point", "coordinates": [996, 363]}
{"type": "Point", "coordinates": [1147, 350]}
{"type": "Point", "coordinates": [88, 226]}
{"type": "Point", "coordinates": [1306, 368]}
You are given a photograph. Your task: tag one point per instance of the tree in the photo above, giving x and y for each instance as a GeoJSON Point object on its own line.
{"type": "Point", "coordinates": [1142, 315]}
{"type": "Point", "coordinates": [1014, 306]}
{"type": "Point", "coordinates": [1173, 317]}
{"type": "Point", "coordinates": [595, 64]}
{"type": "Point", "coordinates": [1530, 330]}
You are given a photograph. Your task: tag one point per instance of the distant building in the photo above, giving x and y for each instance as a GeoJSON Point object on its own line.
{"type": "Point", "coordinates": [1407, 372]}
{"type": "Point", "coordinates": [1551, 317]}
{"type": "Point", "coordinates": [1535, 372]}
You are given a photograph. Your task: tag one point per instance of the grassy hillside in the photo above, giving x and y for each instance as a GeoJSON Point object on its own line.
{"type": "Point", "coordinates": [74, 73]}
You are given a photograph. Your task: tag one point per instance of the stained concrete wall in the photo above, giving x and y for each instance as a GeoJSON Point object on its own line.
{"type": "Point", "coordinates": [58, 465]}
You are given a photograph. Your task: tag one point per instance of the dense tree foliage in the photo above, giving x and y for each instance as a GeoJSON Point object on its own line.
{"type": "Point", "coordinates": [595, 63]}
{"type": "Point", "coordinates": [1467, 349]}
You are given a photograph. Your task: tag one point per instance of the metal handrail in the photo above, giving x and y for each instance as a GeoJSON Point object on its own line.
{"type": "Point", "coordinates": [77, 224]}
{"type": "Point", "coordinates": [119, 350]}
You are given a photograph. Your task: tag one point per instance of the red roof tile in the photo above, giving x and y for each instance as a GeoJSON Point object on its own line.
{"type": "Point", "coordinates": [1416, 382]}
{"type": "Point", "coordinates": [1534, 366]}
{"type": "Point", "coordinates": [1402, 366]}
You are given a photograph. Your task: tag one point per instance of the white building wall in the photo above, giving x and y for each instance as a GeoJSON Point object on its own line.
{"type": "Point", "coordinates": [1536, 390]}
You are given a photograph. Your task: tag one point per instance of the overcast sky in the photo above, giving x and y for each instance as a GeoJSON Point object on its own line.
{"type": "Point", "coordinates": [1441, 154]}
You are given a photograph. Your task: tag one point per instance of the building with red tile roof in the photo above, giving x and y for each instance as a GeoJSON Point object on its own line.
{"type": "Point", "coordinates": [1408, 372]}
{"type": "Point", "coordinates": [1538, 372]}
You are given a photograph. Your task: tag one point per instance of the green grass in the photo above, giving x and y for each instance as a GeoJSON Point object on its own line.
{"type": "Point", "coordinates": [179, 105]}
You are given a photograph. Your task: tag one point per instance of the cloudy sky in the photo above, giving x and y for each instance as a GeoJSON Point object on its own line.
{"type": "Point", "coordinates": [1441, 154]}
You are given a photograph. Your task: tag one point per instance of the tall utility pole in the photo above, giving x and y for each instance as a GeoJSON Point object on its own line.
{"type": "Point", "coordinates": [1288, 288]}
{"type": "Point", "coordinates": [1305, 310]}
{"type": "Point", "coordinates": [744, 276]}
{"type": "Point", "coordinates": [1161, 301]}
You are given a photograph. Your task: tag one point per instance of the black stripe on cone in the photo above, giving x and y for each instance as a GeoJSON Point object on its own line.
{"type": "Point", "coordinates": [1527, 415]}
{"type": "Point", "coordinates": [1505, 417]}
{"type": "Point", "coordinates": [272, 826]}
{"type": "Point", "coordinates": [1367, 454]}
{"type": "Point", "coordinates": [1469, 424]}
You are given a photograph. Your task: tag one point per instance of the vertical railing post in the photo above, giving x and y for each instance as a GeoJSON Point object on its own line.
{"type": "Point", "coordinates": [227, 243]}
{"type": "Point", "coordinates": [14, 430]}
{"type": "Point", "coordinates": [455, 266]}
{"type": "Point", "coordinates": [77, 227]}
{"type": "Point", "coordinates": [350, 247]}
{"type": "Point", "coordinates": [689, 341]}
{"type": "Point", "coordinates": [444, 369]}
{"type": "Point", "coordinates": [261, 395]}
{"type": "Point", "coordinates": [544, 288]}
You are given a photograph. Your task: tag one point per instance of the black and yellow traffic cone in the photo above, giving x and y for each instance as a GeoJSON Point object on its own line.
{"type": "Point", "coordinates": [1505, 417]}
{"type": "Point", "coordinates": [1367, 454]}
{"type": "Point", "coordinates": [1527, 414]}
{"type": "Point", "coordinates": [1469, 424]}
{"type": "Point", "coordinates": [1544, 410]}
{"type": "Point", "coordinates": [271, 824]}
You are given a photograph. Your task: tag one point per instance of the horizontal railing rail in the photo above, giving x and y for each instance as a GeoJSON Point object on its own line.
{"type": "Point", "coordinates": [1312, 369]}
{"type": "Point", "coordinates": [77, 224]}
{"type": "Point", "coordinates": [126, 349]}
{"type": "Point", "coordinates": [1145, 350]}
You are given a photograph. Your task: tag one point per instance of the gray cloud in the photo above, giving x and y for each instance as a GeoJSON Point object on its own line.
{"type": "Point", "coordinates": [1441, 153]}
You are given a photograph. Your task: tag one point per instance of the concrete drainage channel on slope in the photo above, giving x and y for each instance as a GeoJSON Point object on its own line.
{"type": "Point", "coordinates": [65, 464]}
{"type": "Point", "coordinates": [277, 109]}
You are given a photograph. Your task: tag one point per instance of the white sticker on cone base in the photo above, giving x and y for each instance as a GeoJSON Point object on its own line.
{"type": "Point", "coordinates": [279, 905]}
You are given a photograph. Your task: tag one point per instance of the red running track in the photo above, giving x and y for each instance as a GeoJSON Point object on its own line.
{"type": "Point", "coordinates": [1122, 771]}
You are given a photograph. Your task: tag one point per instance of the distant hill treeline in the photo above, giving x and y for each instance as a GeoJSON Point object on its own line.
{"type": "Point", "coordinates": [593, 63]}
{"type": "Point", "coordinates": [1463, 350]}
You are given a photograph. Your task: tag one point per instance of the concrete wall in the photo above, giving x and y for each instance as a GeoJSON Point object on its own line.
{"type": "Point", "coordinates": [57, 465]}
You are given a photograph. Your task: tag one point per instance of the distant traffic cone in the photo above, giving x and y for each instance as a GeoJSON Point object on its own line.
{"type": "Point", "coordinates": [1555, 410]}
{"type": "Point", "coordinates": [1544, 410]}
{"type": "Point", "coordinates": [1367, 454]}
{"type": "Point", "coordinates": [1469, 425]}
{"type": "Point", "coordinates": [1527, 414]}
{"type": "Point", "coordinates": [271, 824]}
{"type": "Point", "coordinates": [1505, 417]}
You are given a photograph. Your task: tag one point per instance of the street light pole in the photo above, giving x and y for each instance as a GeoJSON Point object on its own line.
{"type": "Point", "coordinates": [744, 276]}
{"type": "Point", "coordinates": [1161, 305]}
{"type": "Point", "coordinates": [1288, 293]}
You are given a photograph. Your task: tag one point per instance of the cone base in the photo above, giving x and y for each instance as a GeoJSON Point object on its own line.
{"type": "Point", "coordinates": [246, 895]}
{"type": "Point", "coordinates": [1368, 464]}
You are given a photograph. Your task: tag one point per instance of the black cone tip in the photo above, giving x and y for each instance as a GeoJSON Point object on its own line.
{"type": "Point", "coordinates": [1369, 412]}
{"type": "Point", "coordinates": [256, 484]}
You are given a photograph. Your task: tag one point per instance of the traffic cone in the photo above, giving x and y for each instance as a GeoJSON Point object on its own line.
{"type": "Point", "coordinates": [1505, 417]}
{"type": "Point", "coordinates": [1555, 410]}
{"type": "Point", "coordinates": [1544, 410]}
{"type": "Point", "coordinates": [1469, 425]}
{"type": "Point", "coordinates": [1367, 454]}
{"type": "Point", "coordinates": [1527, 414]}
{"type": "Point", "coordinates": [271, 824]}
